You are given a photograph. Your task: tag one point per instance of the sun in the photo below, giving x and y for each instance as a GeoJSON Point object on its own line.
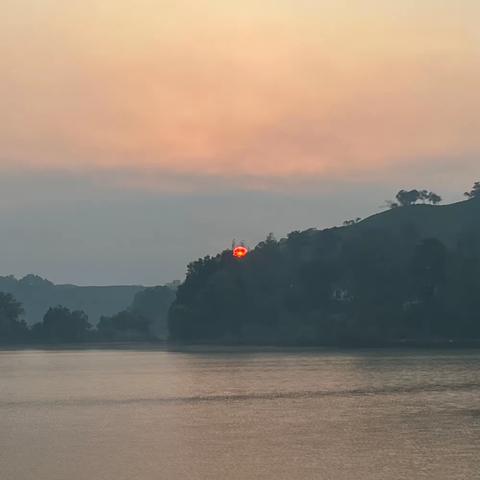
{"type": "Point", "coordinates": [240, 252]}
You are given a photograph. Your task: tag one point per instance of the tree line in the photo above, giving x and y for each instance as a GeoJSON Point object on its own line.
{"type": "Point", "coordinates": [144, 320]}
{"type": "Point", "coordinates": [351, 284]}
{"type": "Point", "coordinates": [323, 288]}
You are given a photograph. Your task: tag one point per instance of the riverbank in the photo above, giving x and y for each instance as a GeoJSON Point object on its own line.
{"type": "Point", "coordinates": [218, 346]}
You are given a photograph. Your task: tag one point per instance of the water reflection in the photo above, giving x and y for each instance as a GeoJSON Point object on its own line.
{"type": "Point", "coordinates": [239, 413]}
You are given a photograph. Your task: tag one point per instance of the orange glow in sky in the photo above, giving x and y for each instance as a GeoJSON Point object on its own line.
{"type": "Point", "coordinates": [162, 95]}
{"type": "Point", "coordinates": [240, 252]}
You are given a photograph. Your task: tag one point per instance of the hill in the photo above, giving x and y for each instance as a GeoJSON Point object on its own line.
{"type": "Point", "coordinates": [445, 222]}
{"type": "Point", "coordinates": [37, 295]}
{"type": "Point", "coordinates": [408, 273]}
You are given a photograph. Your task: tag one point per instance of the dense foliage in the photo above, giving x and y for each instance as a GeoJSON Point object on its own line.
{"type": "Point", "coordinates": [363, 283]}
{"type": "Point", "coordinates": [63, 326]}
{"type": "Point", "coordinates": [411, 273]}
{"type": "Point", "coordinates": [12, 328]}
{"type": "Point", "coordinates": [125, 325]}
{"type": "Point", "coordinates": [145, 319]}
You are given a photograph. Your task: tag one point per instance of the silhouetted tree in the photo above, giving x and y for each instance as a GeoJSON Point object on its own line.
{"type": "Point", "coordinates": [12, 327]}
{"type": "Point", "coordinates": [474, 192]}
{"type": "Point", "coordinates": [63, 325]}
{"type": "Point", "coordinates": [406, 198]}
{"type": "Point", "coordinates": [433, 198]}
{"type": "Point", "coordinates": [423, 195]}
{"type": "Point", "coordinates": [270, 242]}
{"type": "Point", "coordinates": [125, 325]}
{"type": "Point", "coordinates": [347, 223]}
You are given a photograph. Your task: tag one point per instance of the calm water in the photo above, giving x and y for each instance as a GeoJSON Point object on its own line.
{"type": "Point", "coordinates": [137, 415]}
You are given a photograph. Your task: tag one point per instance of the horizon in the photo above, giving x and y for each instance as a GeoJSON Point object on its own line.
{"type": "Point", "coordinates": [163, 130]}
{"type": "Point", "coordinates": [385, 209]}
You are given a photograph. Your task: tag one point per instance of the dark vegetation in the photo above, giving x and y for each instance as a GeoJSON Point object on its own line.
{"type": "Point", "coordinates": [37, 295]}
{"type": "Point", "coordinates": [405, 198]}
{"type": "Point", "coordinates": [12, 328]}
{"type": "Point", "coordinates": [409, 274]}
{"type": "Point", "coordinates": [63, 326]}
{"type": "Point", "coordinates": [474, 192]}
{"type": "Point", "coordinates": [144, 320]}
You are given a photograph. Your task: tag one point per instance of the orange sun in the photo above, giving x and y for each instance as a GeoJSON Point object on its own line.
{"type": "Point", "coordinates": [240, 252]}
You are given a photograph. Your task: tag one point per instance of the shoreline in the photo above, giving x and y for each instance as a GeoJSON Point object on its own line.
{"type": "Point", "coordinates": [203, 346]}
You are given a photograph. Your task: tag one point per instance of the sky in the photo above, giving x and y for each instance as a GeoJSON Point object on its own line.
{"type": "Point", "coordinates": [139, 135]}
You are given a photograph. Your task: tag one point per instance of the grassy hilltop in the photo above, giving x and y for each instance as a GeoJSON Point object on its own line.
{"type": "Point", "coordinates": [444, 222]}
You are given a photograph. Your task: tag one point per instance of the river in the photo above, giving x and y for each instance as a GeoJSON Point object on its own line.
{"type": "Point", "coordinates": [233, 413]}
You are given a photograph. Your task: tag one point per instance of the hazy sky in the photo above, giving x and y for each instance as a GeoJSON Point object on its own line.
{"type": "Point", "coordinates": [137, 135]}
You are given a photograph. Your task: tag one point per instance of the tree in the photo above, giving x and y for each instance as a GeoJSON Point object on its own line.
{"type": "Point", "coordinates": [63, 325]}
{"type": "Point", "coordinates": [347, 223]}
{"type": "Point", "coordinates": [125, 325]}
{"type": "Point", "coordinates": [12, 328]}
{"type": "Point", "coordinates": [411, 197]}
{"type": "Point", "coordinates": [391, 205]}
{"type": "Point", "coordinates": [406, 198]}
{"type": "Point", "coordinates": [270, 243]}
{"type": "Point", "coordinates": [34, 281]}
{"type": "Point", "coordinates": [433, 198]}
{"type": "Point", "coordinates": [474, 192]}
{"type": "Point", "coordinates": [423, 195]}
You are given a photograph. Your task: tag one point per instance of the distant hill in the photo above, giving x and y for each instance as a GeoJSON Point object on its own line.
{"type": "Point", "coordinates": [412, 272]}
{"type": "Point", "coordinates": [37, 295]}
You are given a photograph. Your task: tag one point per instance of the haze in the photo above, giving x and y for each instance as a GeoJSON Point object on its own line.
{"type": "Point", "coordinates": [136, 136]}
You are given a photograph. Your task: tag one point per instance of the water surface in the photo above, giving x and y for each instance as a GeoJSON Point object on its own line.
{"type": "Point", "coordinates": [239, 414]}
